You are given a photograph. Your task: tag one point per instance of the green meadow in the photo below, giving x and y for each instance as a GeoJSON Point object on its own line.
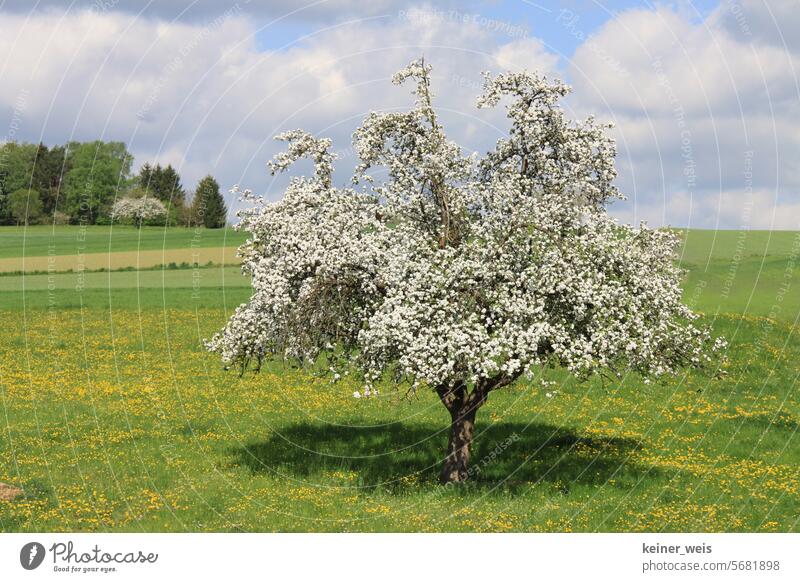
{"type": "Point", "coordinates": [41, 240]}
{"type": "Point", "coordinates": [116, 419]}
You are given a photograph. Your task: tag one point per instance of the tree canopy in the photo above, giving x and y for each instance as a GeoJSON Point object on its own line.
{"type": "Point", "coordinates": [456, 272]}
{"type": "Point", "coordinates": [16, 167]}
{"type": "Point", "coordinates": [79, 182]}
{"type": "Point", "coordinates": [25, 205]}
{"type": "Point", "coordinates": [100, 172]}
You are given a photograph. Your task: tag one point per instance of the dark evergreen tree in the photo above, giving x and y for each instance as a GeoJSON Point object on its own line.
{"type": "Point", "coordinates": [145, 178]}
{"type": "Point", "coordinates": [170, 187]}
{"type": "Point", "coordinates": [162, 183]}
{"type": "Point", "coordinates": [209, 206]}
{"type": "Point", "coordinates": [51, 166]}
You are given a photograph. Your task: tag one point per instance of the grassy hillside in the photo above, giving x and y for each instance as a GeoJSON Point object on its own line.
{"type": "Point", "coordinates": [745, 272]}
{"type": "Point", "coordinates": [117, 419]}
{"type": "Point", "coordinates": [701, 246]}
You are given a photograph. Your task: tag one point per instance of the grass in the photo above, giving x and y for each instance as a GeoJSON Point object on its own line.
{"type": "Point", "coordinates": [701, 246]}
{"type": "Point", "coordinates": [116, 419]}
{"type": "Point", "coordinates": [128, 279]}
{"type": "Point", "coordinates": [40, 241]}
{"type": "Point", "coordinates": [745, 272]}
{"type": "Point", "coordinates": [63, 248]}
{"type": "Point", "coordinates": [118, 260]}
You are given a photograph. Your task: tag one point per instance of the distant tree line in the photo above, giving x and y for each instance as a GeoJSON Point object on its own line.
{"type": "Point", "coordinates": [79, 183]}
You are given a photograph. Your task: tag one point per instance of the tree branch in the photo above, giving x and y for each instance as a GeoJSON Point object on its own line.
{"type": "Point", "coordinates": [453, 397]}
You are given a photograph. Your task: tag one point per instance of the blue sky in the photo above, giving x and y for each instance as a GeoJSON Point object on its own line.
{"type": "Point", "coordinates": [704, 95]}
{"type": "Point", "coordinates": [541, 19]}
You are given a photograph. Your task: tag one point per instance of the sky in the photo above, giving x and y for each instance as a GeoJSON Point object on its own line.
{"type": "Point", "coordinates": [704, 96]}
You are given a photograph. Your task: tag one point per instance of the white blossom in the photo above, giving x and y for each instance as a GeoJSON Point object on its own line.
{"type": "Point", "coordinates": [454, 270]}
{"type": "Point", "coordinates": [138, 209]}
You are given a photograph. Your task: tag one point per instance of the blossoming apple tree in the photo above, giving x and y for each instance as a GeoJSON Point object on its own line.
{"type": "Point", "coordinates": [460, 273]}
{"type": "Point", "coordinates": [138, 209]}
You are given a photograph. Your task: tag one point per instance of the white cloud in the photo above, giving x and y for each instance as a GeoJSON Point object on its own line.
{"type": "Point", "coordinates": [761, 209]}
{"type": "Point", "coordinates": [696, 101]}
{"type": "Point", "coordinates": [772, 22]}
{"type": "Point", "coordinates": [525, 54]}
{"type": "Point", "coordinates": [203, 96]}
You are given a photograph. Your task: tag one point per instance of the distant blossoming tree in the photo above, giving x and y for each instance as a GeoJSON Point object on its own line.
{"type": "Point", "coordinates": [460, 273]}
{"type": "Point", "coordinates": [138, 209]}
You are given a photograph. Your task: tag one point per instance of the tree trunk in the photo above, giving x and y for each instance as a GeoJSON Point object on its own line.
{"type": "Point", "coordinates": [462, 406]}
{"type": "Point", "coordinates": [456, 464]}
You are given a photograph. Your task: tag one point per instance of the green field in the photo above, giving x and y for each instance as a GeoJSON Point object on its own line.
{"type": "Point", "coordinates": [701, 246]}
{"type": "Point", "coordinates": [37, 241]}
{"type": "Point", "coordinates": [117, 280]}
{"type": "Point", "coordinates": [115, 419]}
{"type": "Point", "coordinates": [744, 272]}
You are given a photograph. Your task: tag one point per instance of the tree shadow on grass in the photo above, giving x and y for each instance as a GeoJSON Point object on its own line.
{"type": "Point", "coordinates": [505, 455]}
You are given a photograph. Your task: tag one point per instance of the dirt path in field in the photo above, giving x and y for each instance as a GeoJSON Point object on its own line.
{"type": "Point", "coordinates": [136, 259]}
